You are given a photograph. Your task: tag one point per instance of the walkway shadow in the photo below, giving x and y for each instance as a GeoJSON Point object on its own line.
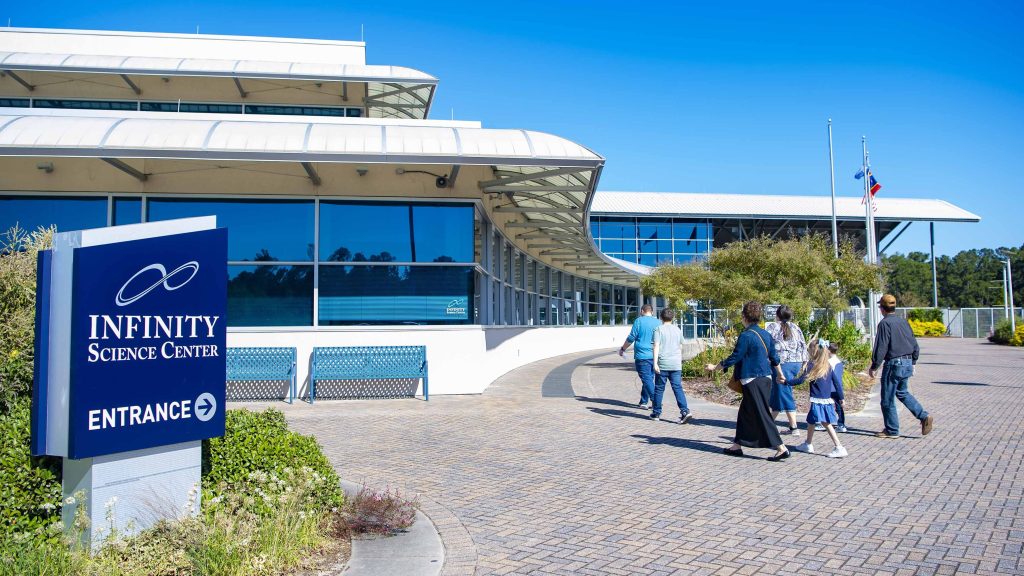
{"type": "Point", "coordinates": [861, 432]}
{"type": "Point", "coordinates": [624, 366]}
{"type": "Point", "coordinates": [697, 445]}
{"type": "Point", "coordinates": [712, 422]}
{"type": "Point", "coordinates": [619, 413]}
{"type": "Point", "coordinates": [960, 383]}
{"type": "Point", "coordinates": [609, 401]}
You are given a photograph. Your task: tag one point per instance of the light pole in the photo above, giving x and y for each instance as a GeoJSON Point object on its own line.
{"type": "Point", "coordinates": [1009, 293]}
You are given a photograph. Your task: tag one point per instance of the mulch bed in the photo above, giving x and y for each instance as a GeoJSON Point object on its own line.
{"type": "Point", "coordinates": [718, 393]}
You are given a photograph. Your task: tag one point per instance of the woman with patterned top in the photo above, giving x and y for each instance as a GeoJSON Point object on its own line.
{"type": "Point", "coordinates": [792, 350]}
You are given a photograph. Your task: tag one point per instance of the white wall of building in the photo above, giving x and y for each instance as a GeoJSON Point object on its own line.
{"type": "Point", "coordinates": [462, 360]}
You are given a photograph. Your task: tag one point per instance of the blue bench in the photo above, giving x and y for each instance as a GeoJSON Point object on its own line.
{"type": "Point", "coordinates": [263, 365]}
{"type": "Point", "coordinates": [368, 363]}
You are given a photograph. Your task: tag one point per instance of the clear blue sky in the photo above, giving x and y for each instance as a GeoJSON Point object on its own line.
{"type": "Point", "coordinates": [696, 97]}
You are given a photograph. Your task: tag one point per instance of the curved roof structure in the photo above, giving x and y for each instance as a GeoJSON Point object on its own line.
{"type": "Point", "coordinates": [154, 66]}
{"type": "Point", "coordinates": [95, 133]}
{"type": "Point", "coordinates": [541, 189]}
{"type": "Point", "coordinates": [776, 207]}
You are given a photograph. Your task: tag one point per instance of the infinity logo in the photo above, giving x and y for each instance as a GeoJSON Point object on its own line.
{"type": "Point", "coordinates": [193, 266]}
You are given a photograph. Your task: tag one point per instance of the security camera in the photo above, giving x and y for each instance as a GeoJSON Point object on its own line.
{"type": "Point", "coordinates": [441, 182]}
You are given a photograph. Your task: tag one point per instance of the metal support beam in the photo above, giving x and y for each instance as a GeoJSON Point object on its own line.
{"type": "Point", "coordinates": [344, 91]}
{"type": "Point", "coordinates": [781, 228]}
{"type": "Point", "coordinates": [311, 172]}
{"type": "Point", "coordinates": [935, 279]}
{"type": "Point", "coordinates": [532, 176]}
{"type": "Point", "coordinates": [453, 176]}
{"type": "Point", "coordinates": [574, 246]}
{"type": "Point", "coordinates": [131, 84]}
{"type": "Point", "coordinates": [894, 238]}
{"type": "Point", "coordinates": [541, 224]}
{"type": "Point", "coordinates": [133, 172]}
{"type": "Point", "coordinates": [552, 234]}
{"type": "Point", "coordinates": [238, 85]}
{"type": "Point", "coordinates": [523, 209]}
{"type": "Point", "coordinates": [543, 188]}
{"type": "Point", "coordinates": [20, 80]}
{"type": "Point", "coordinates": [399, 89]}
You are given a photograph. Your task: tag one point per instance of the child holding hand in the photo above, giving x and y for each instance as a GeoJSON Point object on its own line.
{"type": "Point", "coordinates": [822, 378]}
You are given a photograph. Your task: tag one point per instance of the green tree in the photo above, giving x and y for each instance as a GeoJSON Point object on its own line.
{"type": "Point", "coordinates": [802, 273]}
{"type": "Point", "coordinates": [909, 278]}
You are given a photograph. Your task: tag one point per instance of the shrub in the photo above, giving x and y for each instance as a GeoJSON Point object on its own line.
{"type": "Point", "coordinates": [925, 315]}
{"type": "Point", "coordinates": [1003, 332]}
{"type": "Point", "coordinates": [30, 500]}
{"type": "Point", "coordinates": [930, 328]}
{"type": "Point", "coordinates": [694, 367]}
{"type": "Point", "coordinates": [379, 512]}
{"type": "Point", "coordinates": [854, 349]}
{"type": "Point", "coordinates": [227, 539]}
{"type": "Point", "coordinates": [18, 251]}
{"type": "Point", "coordinates": [1018, 336]}
{"type": "Point", "coordinates": [261, 442]}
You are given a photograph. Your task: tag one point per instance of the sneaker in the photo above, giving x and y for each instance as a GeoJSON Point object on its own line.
{"type": "Point", "coordinates": [926, 426]}
{"type": "Point", "coordinates": [643, 406]}
{"type": "Point", "coordinates": [838, 452]}
{"type": "Point", "coordinates": [819, 428]}
{"type": "Point", "coordinates": [841, 429]}
{"type": "Point", "coordinates": [794, 431]}
{"type": "Point", "coordinates": [884, 434]}
{"type": "Point", "coordinates": [655, 416]}
{"type": "Point", "coordinates": [804, 447]}
{"type": "Point", "coordinates": [685, 418]}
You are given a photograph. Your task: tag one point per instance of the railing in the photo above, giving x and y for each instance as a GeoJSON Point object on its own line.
{"type": "Point", "coordinates": [960, 322]}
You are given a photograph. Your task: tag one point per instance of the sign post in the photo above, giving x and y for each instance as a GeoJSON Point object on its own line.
{"type": "Point", "coordinates": [130, 366]}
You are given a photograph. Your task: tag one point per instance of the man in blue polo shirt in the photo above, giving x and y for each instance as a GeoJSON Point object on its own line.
{"type": "Point", "coordinates": [642, 338]}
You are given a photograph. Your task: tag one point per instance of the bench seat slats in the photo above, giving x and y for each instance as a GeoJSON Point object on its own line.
{"type": "Point", "coordinates": [367, 363]}
{"type": "Point", "coordinates": [262, 364]}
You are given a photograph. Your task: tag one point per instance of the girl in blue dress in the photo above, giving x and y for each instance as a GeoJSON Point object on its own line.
{"type": "Point", "coordinates": [823, 381]}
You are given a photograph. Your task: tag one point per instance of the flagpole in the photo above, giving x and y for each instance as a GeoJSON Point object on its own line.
{"type": "Point", "coordinates": [869, 237]}
{"type": "Point", "coordinates": [832, 176]}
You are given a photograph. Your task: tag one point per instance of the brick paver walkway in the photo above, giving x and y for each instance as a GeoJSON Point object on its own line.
{"type": "Point", "coordinates": [529, 483]}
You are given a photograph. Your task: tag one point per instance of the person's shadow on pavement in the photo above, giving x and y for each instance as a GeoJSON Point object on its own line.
{"type": "Point", "coordinates": [712, 447]}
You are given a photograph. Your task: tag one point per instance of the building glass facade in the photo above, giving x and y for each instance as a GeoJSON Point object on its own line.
{"type": "Point", "coordinates": [296, 262]}
{"type": "Point", "coordinates": [652, 240]}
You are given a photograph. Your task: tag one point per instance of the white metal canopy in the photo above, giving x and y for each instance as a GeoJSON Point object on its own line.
{"type": "Point", "coordinates": [154, 66]}
{"type": "Point", "coordinates": [542, 184]}
{"type": "Point", "coordinates": [116, 134]}
{"type": "Point", "coordinates": [682, 204]}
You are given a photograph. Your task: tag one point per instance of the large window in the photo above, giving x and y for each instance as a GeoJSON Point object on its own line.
{"type": "Point", "coordinates": [373, 262]}
{"type": "Point", "coordinates": [390, 232]}
{"type": "Point", "coordinates": [377, 294]}
{"type": "Point", "coordinates": [270, 295]}
{"type": "Point", "coordinates": [652, 241]}
{"type": "Point", "coordinates": [64, 212]}
{"type": "Point", "coordinates": [258, 230]}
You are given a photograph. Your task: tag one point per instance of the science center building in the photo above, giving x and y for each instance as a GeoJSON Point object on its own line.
{"type": "Point", "coordinates": [352, 218]}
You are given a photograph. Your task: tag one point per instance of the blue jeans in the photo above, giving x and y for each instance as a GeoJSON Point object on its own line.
{"type": "Point", "coordinates": [895, 378]}
{"type": "Point", "coordinates": [645, 368]}
{"type": "Point", "coordinates": [675, 379]}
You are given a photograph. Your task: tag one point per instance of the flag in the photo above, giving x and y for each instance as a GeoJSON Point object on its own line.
{"type": "Point", "coordinates": [873, 185]}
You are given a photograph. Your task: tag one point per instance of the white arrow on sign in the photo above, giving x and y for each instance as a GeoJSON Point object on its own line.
{"type": "Point", "coordinates": [206, 406]}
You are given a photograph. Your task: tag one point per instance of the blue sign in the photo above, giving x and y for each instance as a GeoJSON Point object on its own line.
{"type": "Point", "coordinates": [148, 330]}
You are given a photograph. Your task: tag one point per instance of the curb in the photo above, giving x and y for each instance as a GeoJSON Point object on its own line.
{"type": "Point", "coordinates": [418, 551]}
